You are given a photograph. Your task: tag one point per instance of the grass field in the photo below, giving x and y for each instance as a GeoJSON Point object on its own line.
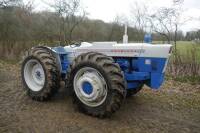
{"type": "Point", "coordinates": [188, 51]}
{"type": "Point", "coordinates": [187, 47]}
{"type": "Point", "coordinates": [187, 65]}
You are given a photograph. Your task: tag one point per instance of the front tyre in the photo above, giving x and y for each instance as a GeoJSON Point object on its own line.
{"type": "Point", "coordinates": [98, 84]}
{"type": "Point", "coordinates": [40, 74]}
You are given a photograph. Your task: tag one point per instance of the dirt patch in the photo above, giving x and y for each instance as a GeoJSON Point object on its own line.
{"type": "Point", "coordinates": [174, 108]}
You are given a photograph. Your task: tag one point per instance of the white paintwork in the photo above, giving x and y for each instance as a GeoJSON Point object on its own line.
{"type": "Point", "coordinates": [156, 50]}
{"type": "Point", "coordinates": [34, 75]}
{"type": "Point", "coordinates": [125, 37]}
{"type": "Point", "coordinates": [101, 43]}
{"type": "Point", "coordinates": [121, 50]}
{"type": "Point", "coordinates": [99, 91]}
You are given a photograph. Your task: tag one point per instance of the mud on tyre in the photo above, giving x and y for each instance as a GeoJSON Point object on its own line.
{"type": "Point", "coordinates": [40, 74]}
{"type": "Point", "coordinates": [97, 84]}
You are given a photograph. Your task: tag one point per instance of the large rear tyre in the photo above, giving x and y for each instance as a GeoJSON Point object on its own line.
{"type": "Point", "coordinates": [97, 83]}
{"type": "Point", "coordinates": [40, 74]}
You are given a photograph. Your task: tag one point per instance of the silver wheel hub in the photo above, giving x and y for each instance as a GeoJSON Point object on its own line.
{"type": "Point", "coordinates": [90, 86]}
{"type": "Point", "coordinates": [34, 75]}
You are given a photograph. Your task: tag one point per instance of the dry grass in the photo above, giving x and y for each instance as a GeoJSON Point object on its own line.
{"type": "Point", "coordinates": [184, 65]}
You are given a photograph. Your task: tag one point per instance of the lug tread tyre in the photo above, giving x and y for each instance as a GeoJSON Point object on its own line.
{"type": "Point", "coordinates": [52, 82]}
{"type": "Point", "coordinates": [114, 78]}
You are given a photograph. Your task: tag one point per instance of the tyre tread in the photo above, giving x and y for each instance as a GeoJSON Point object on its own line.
{"type": "Point", "coordinates": [116, 80]}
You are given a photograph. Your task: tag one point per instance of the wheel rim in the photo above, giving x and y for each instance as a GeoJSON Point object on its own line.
{"type": "Point", "coordinates": [34, 75]}
{"type": "Point", "coordinates": [90, 86]}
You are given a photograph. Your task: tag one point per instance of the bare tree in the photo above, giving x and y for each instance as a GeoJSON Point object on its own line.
{"type": "Point", "coordinates": [167, 21]}
{"type": "Point", "coordinates": [114, 27]}
{"type": "Point", "coordinates": [117, 28]}
{"type": "Point", "coordinates": [5, 3]}
{"type": "Point", "coordinates": [71, 15]}
{"type": "Point", "coordinates": [140, 20]}
{"type": "Point", "coordinates": [178, 2]}
{"type": "Point", "coordinates": [163, 22]}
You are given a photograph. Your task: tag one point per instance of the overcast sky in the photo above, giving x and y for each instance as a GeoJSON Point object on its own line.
{"type": "Point", "coordinates": [107, 10]}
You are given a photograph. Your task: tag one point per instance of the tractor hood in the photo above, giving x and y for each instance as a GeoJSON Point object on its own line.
{"type": "Point", "coordinates": [124, 50]}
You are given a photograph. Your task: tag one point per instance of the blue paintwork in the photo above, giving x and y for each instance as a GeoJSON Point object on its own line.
{"type": "Point", "coordinates": [124, 64]}
{"type": "Point", "coordinates": [142, 70]}
{"type": "Point", "coordinates": [137, 70]}
{"type": "Point", "coordinates": [64, 62]}
{"type": "Point", "coordinates": [87, 88]}
{"type": "Point", "coordinates": [63, 59]}
{"type": "Point", "coordinates": [147, 38]}
{"type": "Point", "coordinates": [156, 80]}
{"type": "Point", "coordinates": [156, 64]}
{"type": "Point", "coordinates": [133, 85]}
{"type": "Point", "coordinates": [135, 76]}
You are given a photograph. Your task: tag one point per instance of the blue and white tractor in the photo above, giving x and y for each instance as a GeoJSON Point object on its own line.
{"type": "Point", "coordinates": [99, 75]}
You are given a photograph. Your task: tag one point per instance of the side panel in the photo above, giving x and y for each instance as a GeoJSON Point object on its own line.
{"type": "Point", "coordinates": [145, 64]}
{"type": "Point", "coordinates": [141, 70]}
{"type": "Point", "coordinates": [155, 67]}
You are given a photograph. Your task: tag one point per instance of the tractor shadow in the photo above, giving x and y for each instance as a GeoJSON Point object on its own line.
{"type": "Point", "coordinates": [133, 105]}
